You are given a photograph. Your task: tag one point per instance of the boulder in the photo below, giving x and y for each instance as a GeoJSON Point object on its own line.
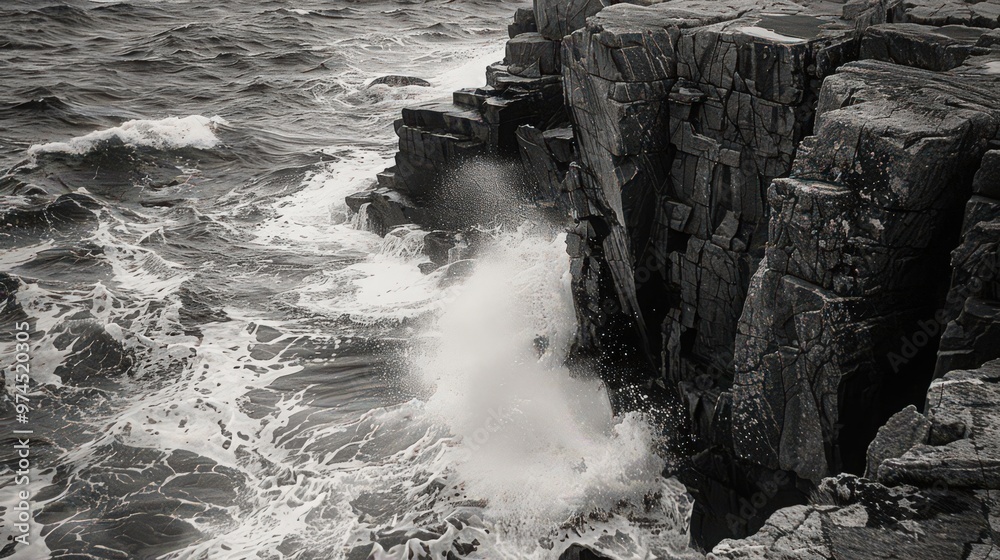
{"type": "Point", "coordinates": [949, 12]}
{"type": "Point", "coordinates": [970, 398]}
{"type": "Point", "coordinates": [531, 55]}
{"type": "Point", "coordinates": [437, 245]}
{"type": "Point", "coordinates": [524, 22]}
{"type": "Point", "coordinates": [905, 429]}
{"type": "Point", "coordinates": [921, 46]}
{"type": "Point", "coordinates": [382, 210]}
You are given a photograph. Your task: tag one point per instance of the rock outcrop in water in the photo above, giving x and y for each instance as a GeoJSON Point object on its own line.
{"type": "Point", "coordinates": [784, 216]}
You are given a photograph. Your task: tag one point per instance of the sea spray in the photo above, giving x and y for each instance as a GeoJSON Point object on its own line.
{"type": "Point", "coordinates": [537, 445]}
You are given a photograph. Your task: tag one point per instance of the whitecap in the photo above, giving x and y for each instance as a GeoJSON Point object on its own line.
{"type": "Point", "coordinates": [194, 131]}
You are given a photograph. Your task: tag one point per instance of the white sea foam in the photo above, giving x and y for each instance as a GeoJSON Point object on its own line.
{"type": "Point", "coordinates": [17, 256]}
{"type": "Point", "coordinates": [382, 288]}
{"type": "Point", "coordinates": [538, 445]}
{"type": "Point", "coordinates": [386, 286]}
{"type": "Point", "coordinates": [469, 74]}
{"type": "Point", "coordinates": [138, 270]}
{"type": "Point", "coordinates": [504, 439]}
{"type": "Point", "coordinates": [315, 217]}
{"type": "Point", "coordinates": [194, 131]}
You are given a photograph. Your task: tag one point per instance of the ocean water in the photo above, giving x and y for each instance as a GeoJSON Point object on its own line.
{"type": "Point", "coordinates": [224, 362]}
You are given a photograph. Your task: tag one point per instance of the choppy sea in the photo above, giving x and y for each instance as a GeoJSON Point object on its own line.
{"type": "Point", "coordinates": [223, 362]}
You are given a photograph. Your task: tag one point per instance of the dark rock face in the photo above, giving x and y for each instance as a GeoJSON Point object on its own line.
{"type": "Point", "coordinates": [784, 224]}
{"type": "Point", "coordinates": [880, 184]}
{"type": "Point", "coordinates": [972, 333]}
{"type": "Point", "coordinates": [557, 18]}
{"type": "Point", "coordinates": [684, 112]}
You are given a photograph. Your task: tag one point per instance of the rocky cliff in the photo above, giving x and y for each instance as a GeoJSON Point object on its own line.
{"type": "Point", "coordinates": [783, 223]}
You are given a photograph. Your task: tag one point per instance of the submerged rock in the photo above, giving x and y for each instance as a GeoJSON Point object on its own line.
{"type": "Point", "coordinates": [399, 81]}
{"type": "Point", "coordinates": [456, 272]}
{"type": "Point", "coordinates": [580, 552]}
{"type": "Point", "coordinates": [438, 245]}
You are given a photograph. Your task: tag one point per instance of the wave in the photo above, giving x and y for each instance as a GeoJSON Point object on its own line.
{"type": "Point", "coordinates": [31, 220]}
{"type": "Point", "coordinates": [194, 131]}
{"type": "Point", "coordinates": [46, 103]}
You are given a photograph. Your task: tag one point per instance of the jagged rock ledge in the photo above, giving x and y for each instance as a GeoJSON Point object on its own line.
{"type": "Point", "coordinates": [784, 219]}
{"type": "Point", "coordinates": [933, 495]}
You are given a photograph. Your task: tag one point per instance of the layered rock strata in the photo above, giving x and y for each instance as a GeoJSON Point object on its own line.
{"type": "Point", "coordinates": [684, 112]}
